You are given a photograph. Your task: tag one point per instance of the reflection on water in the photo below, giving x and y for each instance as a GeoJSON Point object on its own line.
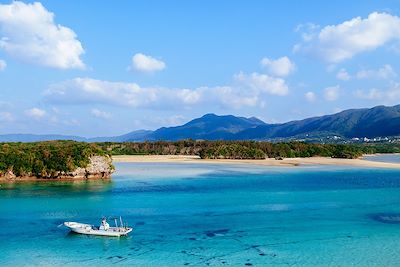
{"type": "Point", "coordinates": [54, 187]}
{"type": "Point", "coordinates": [215, 215]}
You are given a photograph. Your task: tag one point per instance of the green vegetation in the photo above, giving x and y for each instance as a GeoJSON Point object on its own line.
{"type": "Point", "coordinates": [45, 159]}
{"type": "Point", "coordinates": [373, 148]}
{"type": "Point", "coordinates": [247, 149]}
{"type": "Point", "coordinates": [48, 159]}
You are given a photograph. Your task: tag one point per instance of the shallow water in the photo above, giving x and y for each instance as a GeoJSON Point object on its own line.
{"type": "Point", "coordinates": [214, 215]}
{"type": "Point", "coordinates": [394, 158]}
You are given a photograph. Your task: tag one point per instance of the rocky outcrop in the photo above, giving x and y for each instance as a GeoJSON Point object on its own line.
{"type": "Point", "coordinates": [99, 167]}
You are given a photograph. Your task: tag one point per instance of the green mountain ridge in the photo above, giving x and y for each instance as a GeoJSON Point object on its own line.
{"type": "Point", "coordinates": [379, 121]}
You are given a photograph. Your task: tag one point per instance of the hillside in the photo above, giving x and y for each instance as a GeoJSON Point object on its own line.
{"type": "Point", "coordinates": [374, 122]}
{"type": "Point", "coordinates": [379, 121]}
{"type": "Point", "coordinates": [208, 127]}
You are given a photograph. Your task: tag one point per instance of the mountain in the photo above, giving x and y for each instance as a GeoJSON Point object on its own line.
{"type": "Point", "coordinates": [38, 137]}
{"type": "Point", "coordinates": [139, 135]}
{"type": "Point", "coordinates": [208, 127]}
{"type": "Point", "coordinates": [374, 122]}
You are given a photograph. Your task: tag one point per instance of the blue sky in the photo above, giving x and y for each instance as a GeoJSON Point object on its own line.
{"type": "Point", "coordinates": [97, 68]}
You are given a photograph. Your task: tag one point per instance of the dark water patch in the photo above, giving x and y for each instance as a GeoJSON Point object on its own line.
{"type": "Point", "coordinates": [176, 188]}
{"type": "Point", "coordinates": [213, 233]}
{"type": "Point", "coordinates": [192, 238]}
{"type": "Point", "coordinates": [116, 257]}
{"type": "Point", "coordinates": [390, 218]}
{"type": "Point", "coordinates": [140, 223]}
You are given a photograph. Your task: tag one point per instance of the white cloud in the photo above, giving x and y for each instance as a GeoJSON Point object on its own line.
{"type": "Point", "coordinates": [279, 67]}
{"type": "Point", "coordinates": [310, 96]}
{"type": "Point", "coordinates": [307, 31]}
{"type": "Point", "coordinates": [336, 43]}
{"type": "Point", "coordinates": [28, 32]}
{"type": "Point", "coordinates": [343, 75]}
{"type": "Point", "coordinates": [6, 116]}
{"type": "Point", "coordinates": [232, 97]}
{"type": "Point", "coordinates": [141, 62]}
{"type": "Point", "coordinates": [3, 65]}
{"type": "Point", "coordinates": [332, 93]}
{"type": "Point", "coordinates": [388, 96]}
{"type": "Point", "coordinates": [35, 113]}
{"type": "Point", "coordinates": [385, 72]}
{"type": "Point", "coordinates": [87, 90]}
{"type": "Point", "coordinates": [249, 90]}
{"type": "Point", "coordinates": [100, 114]}
{"type": "Point", "coordinates": [372, 94]}
{"type": "Point", "coordinates": [263, 83]}
{"type": "Point", "coordinates": [173, 120]}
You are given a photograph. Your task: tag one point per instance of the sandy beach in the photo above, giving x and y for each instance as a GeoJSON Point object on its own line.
{"type": "Point", "coordinates": [267, 162]}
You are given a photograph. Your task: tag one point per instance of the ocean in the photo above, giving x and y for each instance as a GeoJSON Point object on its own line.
{"type": "Point", "coordinates": [209, 215]}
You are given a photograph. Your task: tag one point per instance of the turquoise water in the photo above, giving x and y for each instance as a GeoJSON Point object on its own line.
{"type": "Point", "coordinates": [395, 158]}
{"type": "Point", "coordinates": [217, 215]}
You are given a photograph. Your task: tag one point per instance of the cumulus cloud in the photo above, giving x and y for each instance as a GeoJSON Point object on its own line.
{"type": "Point", "coordinates": [100, 114]}
{"type": "Point", "coordinates": [279, 67]}
{"type": "Point", "coordinates": [35, 113]}
{"type": "Point", "coordinates": [385, 72]}
{"type": "Point", "coordinates": [389, 96]}
{"type": "Point", "coordinates": [144, 63]}
{"type": "Point", "coordinates": [343, 75]}
{"type": "Point", "coordinates": [248, 90]}
{"type": "Point", "coordinates": [337, 43]}
{"type": "Point", "coordinates": [332, 93]}
{"type": "Point", "coordinates": [263, 83]}
{"type": "Point", "coordinates": [3, 65]}
{"type": "Point", "coordinates": [87, 90]}
{"type": "Point", "coordinates": [28, 32]}
{"type": "Point", "coordinates": [173, 120]}
{"type": "Point", "coordinates": [310, 96]}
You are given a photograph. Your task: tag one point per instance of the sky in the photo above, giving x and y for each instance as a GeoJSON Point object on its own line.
{"type": "Point", "coordinates": [104, 68]}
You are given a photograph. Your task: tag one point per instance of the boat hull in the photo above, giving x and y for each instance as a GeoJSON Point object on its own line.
{"type": "Point", "coordinates": [87, 229]}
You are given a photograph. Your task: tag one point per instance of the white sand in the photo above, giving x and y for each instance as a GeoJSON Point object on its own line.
{"type": "Point", "coordinates": [266, 162]}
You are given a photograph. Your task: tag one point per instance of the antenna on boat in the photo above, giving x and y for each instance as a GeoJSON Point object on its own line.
{"type": "Point", "coordinates": [120, 220]}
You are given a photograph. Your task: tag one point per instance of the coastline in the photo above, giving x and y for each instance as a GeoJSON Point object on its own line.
{"type": "Point", "coordinates": [99, 167]}
{"type": "Point", "coordinates": [286, 162]}
{"type": "Point", "coordinates": [24, 179]}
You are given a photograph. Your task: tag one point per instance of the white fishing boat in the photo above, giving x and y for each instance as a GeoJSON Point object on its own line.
{"type": "Point", "coordinates": [104, 229]}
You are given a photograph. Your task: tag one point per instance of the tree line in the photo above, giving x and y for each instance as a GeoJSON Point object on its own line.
{"type": "Point", "coordinates": [48, 159]}
{"type": "Point", "coordinates": [45, 159]}
{"type": "Point", "coordinates": [246, 149]}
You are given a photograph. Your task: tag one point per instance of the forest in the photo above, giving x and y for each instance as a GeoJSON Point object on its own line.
{"type": "Point", "coordinates": [45, 159]}
{"type": "Point", "coordinates": [246, 149]}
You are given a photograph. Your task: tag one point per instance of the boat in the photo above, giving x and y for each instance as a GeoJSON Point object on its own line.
{"type": "Point", "coordinates": [104, 229]}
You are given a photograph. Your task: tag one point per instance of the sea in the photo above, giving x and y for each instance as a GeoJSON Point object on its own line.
{"type": "Point", "coordinates": [209, 215]}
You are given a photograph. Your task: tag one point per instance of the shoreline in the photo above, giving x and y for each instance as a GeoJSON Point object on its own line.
{"type": "Point", "coordinates": [271, 162]}
{"type": "Point", "coordinates": [24, 179]}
